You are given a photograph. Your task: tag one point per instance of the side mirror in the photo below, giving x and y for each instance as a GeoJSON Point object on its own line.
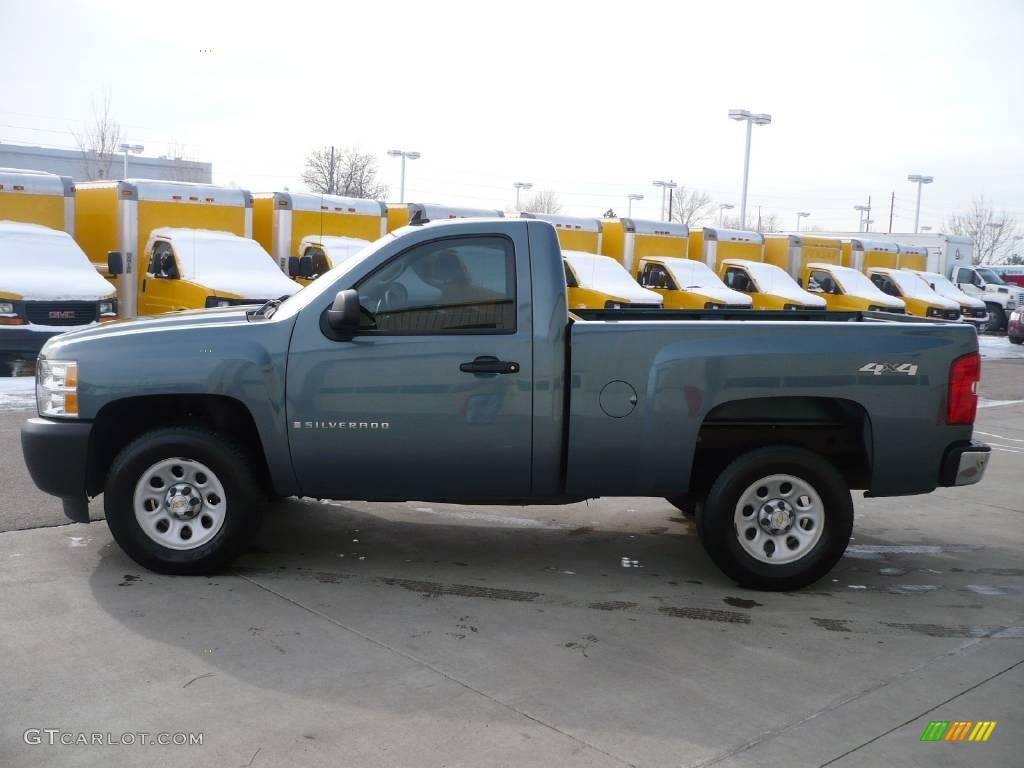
{"type": "Point", "coordinates": [306, 266]}
{"type": "Point", "coordinates": [293, 266]}
{"type": "Point", "coordinates": [115, 263]}
{"type": "Point", "coordinates": [343, 316]}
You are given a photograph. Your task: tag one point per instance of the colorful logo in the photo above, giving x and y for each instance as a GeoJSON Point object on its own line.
{"type": "Point", "coordinates": [958, 730]}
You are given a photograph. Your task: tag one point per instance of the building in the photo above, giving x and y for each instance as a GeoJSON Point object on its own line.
{"type": "Point", "coordinates": [88, 166]}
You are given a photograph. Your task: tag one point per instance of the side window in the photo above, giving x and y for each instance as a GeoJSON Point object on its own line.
{"type": "Point", "coordinates": [655, 276]}
{"type": "Point", "coordinates": [161, 263]}
{"type": "Point", "coordinates": [822, 282]}
{"type": "Point", "coordinates": [885, 285]}
{"type": "Point", "coordinates": [452, 285]}
{"type": "Point", "coordinates": [738, 280]}
{"type": "Point", "coordinates": [319, 259]}
{"type": "Point", "coordinates": [964, 276]}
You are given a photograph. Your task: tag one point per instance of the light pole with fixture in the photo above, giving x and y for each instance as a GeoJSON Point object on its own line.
{"type": "Point", "coordinates": [631, 197]}
{"type": "Point", "coordinates": [920, 181]}
{"type": "Point", "coordinates": [722, 208]}
{"type": "Point", "coordinates": [865, 211]}
{"type": "Point", "coordinates": [751, 119]}
{"type": "Point", "coordinates": [135, 149]}
{"type": "Point", "coordinates": [801, 215]}
{"type": "Point", "coordinates": [664, 186]}
{"type": "Point", "coordinates": [404, 154]}
{"type": "Point", "coordinates": [521, 185]}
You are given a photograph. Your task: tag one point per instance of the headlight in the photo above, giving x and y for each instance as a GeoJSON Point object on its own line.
{"type": "Point", "coordinates": [107, 308]}
{"type": "Point", "coordinates": [213, 301]}
{"type": "Point", "coordinates": [933, 312]}
{"type": "Point", "coordinates": [612, 305]}
{"type": "Point", "coordinates": [57, 387]}
{"type": "Point", "coordinates": [6, 308]}
{"type": "Point", "coordinates": [712, 305]}
{"type": "Point", "coordinates": [791, 306]}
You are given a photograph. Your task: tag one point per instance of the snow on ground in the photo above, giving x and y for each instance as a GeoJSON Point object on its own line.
{"type": "Point", "coordinates": [999, 348]}
{"type": "Point", "coordinates": [17, 394]}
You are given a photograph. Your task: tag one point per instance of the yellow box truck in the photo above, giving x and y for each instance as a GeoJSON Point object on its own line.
{"type": "Point", "coordinates": [400, 214]}
{"type": "Point", "coordinates": [155, 274]}
{"type": "Point", "coordinates": [794, 252]}
{"type": "Point", "coordinates": [575, 233]}
{"type": "Point", "coordinates": [862, 254]}
{"type": "Point", "coordinates": [600, 282]}
{"type": "Point", "coordinates": [687, 284]}
{"type": "Point", "coordinates": [713, 244]}
{"type": "Point", "coordinates": [47, 285]}
{"type": "Point", "coordinates": [282, 220]}
{"type": "Point", "coordinates": [916, 294]}
{"type": "Point", "coordinates": [913, 257]}
{"type": "Point", "coordinates": [629, 241]}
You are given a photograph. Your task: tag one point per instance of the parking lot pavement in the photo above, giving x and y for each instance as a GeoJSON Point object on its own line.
{"type": "Point", "coordinates": [596, 634]}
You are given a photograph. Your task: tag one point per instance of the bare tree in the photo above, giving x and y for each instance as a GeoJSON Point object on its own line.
{"type": "Point", "coordinates": [994, 234]}
{"type": "Point", "coordinates": [343, 171]}
{"type": "Point", "coordinates": [99, 140]}
{"type": "Point", "coordinates": [543, 201]}
{"type": "Point", "coordinates": [691, 207]}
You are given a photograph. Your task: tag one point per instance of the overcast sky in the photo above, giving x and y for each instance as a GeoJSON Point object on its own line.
{"type": "Point", "coordinates": [593, 100]}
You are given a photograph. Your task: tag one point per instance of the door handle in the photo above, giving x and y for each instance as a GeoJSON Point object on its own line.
{"type": "Point", "coordinates": [489, 364]}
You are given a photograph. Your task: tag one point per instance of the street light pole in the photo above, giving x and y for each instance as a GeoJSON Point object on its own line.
{"type": "Point", "coordinates": [631, 197]}
{"type": "Point", "coordinates": [722, 208]}
{"type": "Point", "coordinates": [801, 215]}
{"type": "Point", "coordinates": [864, 209]}
{"type": "Point", "coordinates": [403, 154]}
{"type": "Point", "coordinates": [665, 185]}
{"type": "Point", "coordinates": [126, 148]}
{"type": "Point", "coordinates": [920, 181]}
{"type": "Point", "coordinates": [521, 185]}
{"type": "Point", "coordinates": [751, 119]}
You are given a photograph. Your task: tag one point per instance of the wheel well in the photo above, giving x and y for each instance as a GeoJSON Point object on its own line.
{"type": "Point", "coordinates": [836, 429]}
{"type": "Point", "coordinates": [120, 422]}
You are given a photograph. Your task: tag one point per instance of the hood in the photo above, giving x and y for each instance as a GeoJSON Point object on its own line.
{"type": "Point", "coordinates": [605, 275]}
{"type": "Point", "coordinates": [42, 264]}
{"type": "Point", "coordinates": [724, 295]}
{"type": "Point", "coordinates": [189, 319]}
{"type": "Point", "coordinates": [263, 285]}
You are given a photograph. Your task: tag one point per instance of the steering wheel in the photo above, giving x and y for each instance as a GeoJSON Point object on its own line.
{"type": "Point", "coordinates": [395, 295]}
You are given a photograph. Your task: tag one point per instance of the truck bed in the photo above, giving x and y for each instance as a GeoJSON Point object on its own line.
{"type": "Point", "coordinates": [809, 315]}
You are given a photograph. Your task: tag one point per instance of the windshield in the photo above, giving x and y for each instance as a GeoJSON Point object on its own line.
{"type": "Point", "coordinates": [853, 282]}
{"type": "Point", "coordinates": [201, 258]}
{"type": "Point", "coordinates": [600, 272]}
{"type": "Point", "coordinates": [990, 277]}
{"type": "Point", "coordinates": [693, 274]}
{"type": "Point", "coordinates": [942, 286]}
{"type": "Point", "coordinates": [911, 285]}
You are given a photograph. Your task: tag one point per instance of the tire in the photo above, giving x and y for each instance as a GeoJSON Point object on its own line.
{"type": "Point", "coordinates": [1016, 339]}
{"type": "Point", "coordinates": [996, 319]}
{"type": "Point", "coordinates": [683, 503]}
{"type": "Point", "coordinates": [813, 494]}
{"type": "Point", "coordinates": [206, 484]}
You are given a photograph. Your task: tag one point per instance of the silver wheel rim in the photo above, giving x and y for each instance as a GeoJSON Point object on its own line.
{"type": "Point", "coordinates": [180, 503]}
{"type": "Point", "coordinates": [779, 519]}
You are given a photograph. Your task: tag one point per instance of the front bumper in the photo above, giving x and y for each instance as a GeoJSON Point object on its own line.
{"type": "Point", "coordinates": [964, 464]}
{"type": "Point", "coordinates": [56, 453]}
{"type": "Point", "coordinates": [19, 342]}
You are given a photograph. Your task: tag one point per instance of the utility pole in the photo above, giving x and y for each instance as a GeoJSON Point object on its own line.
{"type": "Point", "coordinates": [670, 203]}
{"type": "Point", "coordinates": [892, 207]}
{"type": "Point", "coordinates": [867, 217]}
{"type": "Point", "coordinates": [330, 175]}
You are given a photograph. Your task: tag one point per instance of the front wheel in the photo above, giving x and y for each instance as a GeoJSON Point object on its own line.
{"type": "Point", "coordinates": [996, 319]}
{"type": "Point", "coordinates": [182, 501]}
{"type": "Point", "coordinates": [1016, 339]}
{"type": "Point", "coordinates": [777, 518]}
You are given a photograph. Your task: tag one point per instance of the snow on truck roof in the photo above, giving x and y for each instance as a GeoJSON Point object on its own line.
{"type": "Point", "coordinates": [311, 201]}
{"type": "Point", "coordinates": [605, 274]}
{"type": "Point", "coordinates": [174, 191]}
{"type": "Point", "coordinates": [652, 227]}
{"type": "Point", "coordinates": [732, 235]}
{"type": "Point", "coordinates": [35, 182]}
{"type": "Point", "coordinates": [577, 223]}
{"type": "Point", "coordinates": [776, 281]}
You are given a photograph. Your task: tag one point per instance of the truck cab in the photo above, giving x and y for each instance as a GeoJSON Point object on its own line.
{"type": "Point", "coordinates": [47, 286]}
{"type": "Point", "coordinates": [846, 290]}
{"type": "Point", "coordinates": [972, 310]}
{"type": "Point", "coordinates": [600, 282]}
{"type": "Point", "coordinates": [919, 299]}
{"type": "Point", "coordinates": [768, 286]}
{"type": "Point", "coordinates": [688, 284]}
{"type": "Point", "coordinates": [1000, 297]}
{"type": "Point", "coordinates": [195, 268]}
{"type": "Point", "coordinates": [319, 254]}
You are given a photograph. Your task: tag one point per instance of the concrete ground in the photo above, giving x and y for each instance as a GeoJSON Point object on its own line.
{"type": "Point", "coordinates": [416, 634]}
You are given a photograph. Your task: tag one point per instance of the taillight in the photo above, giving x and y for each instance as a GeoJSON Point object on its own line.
{"type": "Point", "coordinates": [964, 374]}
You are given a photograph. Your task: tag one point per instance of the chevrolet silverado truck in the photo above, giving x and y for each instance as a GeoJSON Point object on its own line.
{"type": "Point", "coordinates": [441, 363]}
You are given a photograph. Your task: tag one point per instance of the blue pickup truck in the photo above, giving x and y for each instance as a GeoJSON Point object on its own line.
{"type": "Point", "coordinates": [441, 363]}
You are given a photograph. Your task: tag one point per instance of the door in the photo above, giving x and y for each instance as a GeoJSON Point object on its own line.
{"type": "Point", "coordinates": [432, 398]}
{"type": "Point", "coordinates": [160, 282]}
{"type": "Point", "coordinates": [967, 281]}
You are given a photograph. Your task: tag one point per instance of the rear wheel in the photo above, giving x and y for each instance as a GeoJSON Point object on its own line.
{"type": "Point", "coordinates": [1016, 339]}
{"type": "Point", "coordinates": [996, 319]}
{"type": "Point", "coordinates": [777, 518]}
{"type": "Point", "coordinates": [182, 501]}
